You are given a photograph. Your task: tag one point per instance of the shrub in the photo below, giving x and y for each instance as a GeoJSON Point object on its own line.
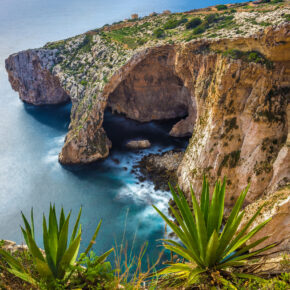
{"type": "Point", "coordinates": [233, 53]}
{"type": "Point", "coordinates": [158, 33]}
{"type": "Point", "coordinates": [141, 41]}
{"type": "Point", "coordinates": [221, 7]}
{"type": "Point", "coordinates": [199, 30]}
{"type": "Point", "coordinates": [207, 245]}
{"type": "Point", "coordinates": [250, 56]}
{"type": "Point", "coordinates": [94, 273]}
{"type": "Point", "coordinates": [173, 23]}
{"type": "Point", "coordinates": [255, 57]}
{"type": "Point", "coordinates": [211, 18]}
{"type": "Point", "coordinates": [287, 17]}
{"type": "Point", "coordinates": [193, 23]}
{"type": "Point", "coordinates": [60, 251]}
{"type": "Point", "coordinates": [86, 45]}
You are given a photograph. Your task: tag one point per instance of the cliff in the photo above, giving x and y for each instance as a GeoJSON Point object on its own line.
{"type": "Point", "coordinates": [228, 78]}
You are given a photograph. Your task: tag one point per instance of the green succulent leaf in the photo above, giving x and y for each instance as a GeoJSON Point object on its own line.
{"type": "Point", "coordinates": [205, 245]}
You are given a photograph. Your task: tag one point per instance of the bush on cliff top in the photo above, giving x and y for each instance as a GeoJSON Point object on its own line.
{"type": "Point", "coordinates": [249, 56]}
{"type": "Point", "coordinates": [173, 23]}
{"type": "Point", "coordinates": [158, 33]}
{"type": "Point", "coordinates": [193, 23]}
{"type": "Point", "coordinates": [221, 7]}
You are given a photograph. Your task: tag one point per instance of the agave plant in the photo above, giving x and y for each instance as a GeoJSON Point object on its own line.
{"type": "Point", "coordinates": [60, 252]}
{"type": "Point", "coordinates": [207, 245]}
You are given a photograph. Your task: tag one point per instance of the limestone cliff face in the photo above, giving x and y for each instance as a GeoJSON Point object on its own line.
{"type": "Point", "coordinates": [29, 74]}
{"type": "Point", "coordinates": [241, 127]}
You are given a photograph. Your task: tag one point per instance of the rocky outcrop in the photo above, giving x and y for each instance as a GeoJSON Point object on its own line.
{"type": "Point", "coordinates": [12, 247]}
{"type": "Point", "coordinates": [241, 124]}
{"type": "Point", "coordinates": [277, 207]}
{"type": "Point", "coordinates": [161, 168]}
{"type": "Point", "coordinates": [29, 74]}
{"type": "Point", "coordinates": [184, 127]}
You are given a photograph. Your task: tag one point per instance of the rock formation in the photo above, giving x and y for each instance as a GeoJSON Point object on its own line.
{"type": "Point", "coordinates": [161, 168]}
{"type": "Point", "coordinates": [29, 74]}
{"type": "Point", "coordinates": [138, 144]}
{"type": "Point", "coordinates": [241, 122]}
{"type": "Point", "coordinates": [229, 84]}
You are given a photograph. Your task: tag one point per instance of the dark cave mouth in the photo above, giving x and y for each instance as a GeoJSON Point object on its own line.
{"type": "Point", "coordinates": [152, 91]}
{"type": "Point", "coordinates": [121, 129]}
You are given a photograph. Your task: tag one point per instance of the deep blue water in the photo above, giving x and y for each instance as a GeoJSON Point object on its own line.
{"type": "Point", "coordinates": [31, 137]}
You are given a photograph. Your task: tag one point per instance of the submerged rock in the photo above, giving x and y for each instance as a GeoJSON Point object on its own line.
{"type": "Point", "coordinates": [138, 144]}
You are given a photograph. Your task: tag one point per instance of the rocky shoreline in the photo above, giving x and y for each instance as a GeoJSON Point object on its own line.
{"type": "Point", "coordinates": [161, 168]}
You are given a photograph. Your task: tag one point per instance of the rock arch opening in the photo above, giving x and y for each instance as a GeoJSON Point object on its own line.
{"type": "Point", "coordinates": [151, 90]}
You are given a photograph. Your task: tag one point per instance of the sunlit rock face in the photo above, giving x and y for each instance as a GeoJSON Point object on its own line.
{"type": "Point", "coordinates": [242, 122]}
{"type": "Point", "coordinates": [277, 207]}
{"type": "Point", "coordinates": [29, 74]}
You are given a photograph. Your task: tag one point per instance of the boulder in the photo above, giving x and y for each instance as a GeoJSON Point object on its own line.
{"type": "Point", "coordinates": [138, 144]}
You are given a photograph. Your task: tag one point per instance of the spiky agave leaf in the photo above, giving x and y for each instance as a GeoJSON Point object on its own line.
{"type": "Point", "coordinates": [60, 251]}
{"type": "Point", "coordinates": [204, 243]}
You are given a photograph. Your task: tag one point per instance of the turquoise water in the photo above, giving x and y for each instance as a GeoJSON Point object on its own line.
{"type": "Point", "coordinates": [31, 137]}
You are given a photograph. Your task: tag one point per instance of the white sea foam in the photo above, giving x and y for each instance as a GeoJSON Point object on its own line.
{"type": "Point", "coordinates": [145, 195]}
{"type": "Point", "coordinates": [53, 151]}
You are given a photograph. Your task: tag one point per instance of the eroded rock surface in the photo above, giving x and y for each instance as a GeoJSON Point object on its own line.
{"type": "Point", "coordinates": [29, 74]}
{"type": "Point", "coordinates": [152, 90]}
{"type": "Point", "coordinates": [241, 121]}
{"type": "Point", "coordinates": [277, 207]}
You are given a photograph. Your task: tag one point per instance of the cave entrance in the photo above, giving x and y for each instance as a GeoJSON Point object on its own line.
{"type": "Point", "coordinates": [151, 90]}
